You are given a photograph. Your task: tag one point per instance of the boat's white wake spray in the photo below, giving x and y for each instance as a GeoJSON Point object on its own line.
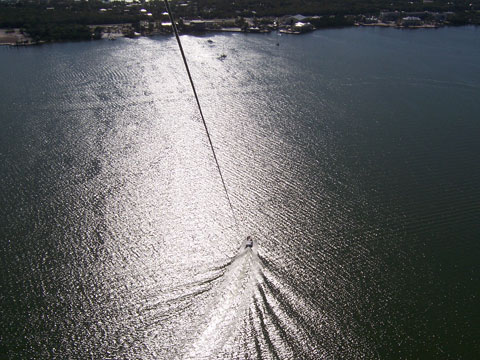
{"type": "Point", "coordinates": [233, 297]}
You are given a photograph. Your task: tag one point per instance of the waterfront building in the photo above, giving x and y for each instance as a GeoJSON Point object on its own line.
{"type": "Point", "coordinates": [411, 21]}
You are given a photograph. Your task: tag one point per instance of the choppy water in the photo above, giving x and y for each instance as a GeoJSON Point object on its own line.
{"type": "Point", "coordinates": [351, 155]}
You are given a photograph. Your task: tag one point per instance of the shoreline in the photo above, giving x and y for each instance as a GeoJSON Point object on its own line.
{"type": "Point", "coordinates": [397, 26]}
{"type": "Point", "coordinates": [14, 38]}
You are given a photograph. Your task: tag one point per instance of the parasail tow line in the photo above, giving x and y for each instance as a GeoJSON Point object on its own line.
{"type": "Point", "coordinates": [174, 27]}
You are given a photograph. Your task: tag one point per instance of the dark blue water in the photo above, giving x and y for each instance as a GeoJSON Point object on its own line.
{"type": "Point", "coordinates": [350, 155]}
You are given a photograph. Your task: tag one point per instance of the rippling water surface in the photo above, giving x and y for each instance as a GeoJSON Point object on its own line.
{"type": "Point", "coordinates": [352, 157]}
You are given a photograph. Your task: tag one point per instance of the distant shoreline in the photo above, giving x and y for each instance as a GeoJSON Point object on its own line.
{"type": "Point", "coordinates": [14, 37]}
{"type": "Point", "coordinates": [38, 22]}
{"type": "Point", "coordinates": [424, 26]}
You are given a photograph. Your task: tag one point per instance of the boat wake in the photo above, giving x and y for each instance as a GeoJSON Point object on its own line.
{"type": "Point", "coordinates": [232, 300]}
{"type": "Point", "coordinates": [253, 308]}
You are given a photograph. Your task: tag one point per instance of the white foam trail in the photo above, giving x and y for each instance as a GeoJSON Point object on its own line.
{"type": "Point", "coordinates": [234, 297]}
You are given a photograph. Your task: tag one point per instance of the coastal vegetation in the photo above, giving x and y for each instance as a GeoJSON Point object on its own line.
{"type": "Point", "coordinates": [54, 20]}
{"type": "Point", "coordinates": [222, 8]}
{"type": "Point", "coordinates": [61, 20]}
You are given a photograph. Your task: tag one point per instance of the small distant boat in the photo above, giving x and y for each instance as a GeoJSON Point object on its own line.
{"type": "Point", "coordinates": [210, 41]}
{"type": "Point", "coordinates": [249, 243]}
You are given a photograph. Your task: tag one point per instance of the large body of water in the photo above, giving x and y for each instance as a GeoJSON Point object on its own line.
{"type": "Point", "coordinates": [351, 155]}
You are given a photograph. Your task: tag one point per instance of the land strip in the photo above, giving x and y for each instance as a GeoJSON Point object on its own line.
{"type": "Point", "coordinates": [27, 22]}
